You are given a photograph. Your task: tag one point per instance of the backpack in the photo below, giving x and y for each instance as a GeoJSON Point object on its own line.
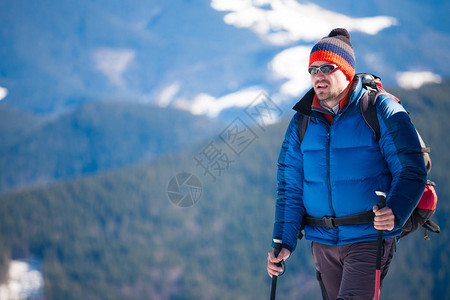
{"type": "Point", "coordinates": [426, 207]}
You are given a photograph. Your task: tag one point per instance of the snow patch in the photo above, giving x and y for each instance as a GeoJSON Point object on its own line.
{"type": "Point", "coordinates": [282, 22]}
{"type": "Point", "coordinates": [113, 63]}
{"type": "Point", "coordinates": [25, 280]}
{"type": "Point", "coordinates": [414, 80]}
{"type": "Point", "coordinates": [211, 106]}
{"type": "Point", "coordinates": [166, 96]}
{"type": "Point", "coordinates": [3, 93]}
{"type": "Point", "coordinates": [292, 64]}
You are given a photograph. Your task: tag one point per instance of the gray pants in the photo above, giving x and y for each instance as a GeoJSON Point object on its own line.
{"type": "Point", "coordinates": [348, 271]}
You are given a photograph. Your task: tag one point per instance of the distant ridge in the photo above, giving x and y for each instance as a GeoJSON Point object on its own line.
{"type": "Point", "coordinates": [91, 138]}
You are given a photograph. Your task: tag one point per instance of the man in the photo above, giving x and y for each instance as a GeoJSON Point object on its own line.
{"type": "Point", "coordinates": [335, 170]}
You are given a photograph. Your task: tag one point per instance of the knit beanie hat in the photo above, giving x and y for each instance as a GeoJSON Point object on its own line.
{"type": "Point", "coordinates": [336, 48]}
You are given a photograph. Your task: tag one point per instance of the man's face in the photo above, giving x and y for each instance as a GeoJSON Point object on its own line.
{"type": "Point", "coordinates": [331, 86]}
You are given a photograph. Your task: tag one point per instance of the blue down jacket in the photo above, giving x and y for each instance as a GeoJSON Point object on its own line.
{"type": "Point", "coordinates": [337, 168]}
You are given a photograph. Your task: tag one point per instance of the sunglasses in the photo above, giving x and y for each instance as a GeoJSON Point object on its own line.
{"type": "Point", "coordinates": [325, 69]}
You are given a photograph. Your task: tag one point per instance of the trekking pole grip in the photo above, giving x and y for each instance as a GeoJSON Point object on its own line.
{"type": "Point", "coordinates": [277, 248]}
{"type": "Point", "coordinates": [276, 251]}
{"type": "Point", "coordinates": [381, 199]}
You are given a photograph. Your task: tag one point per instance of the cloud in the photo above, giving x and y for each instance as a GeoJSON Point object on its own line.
{"type": "Point", "coordinates": [414, 80]}
{"type": "Point", "coordinates": [211, 106]}
{"type": "Point", "coordinates": [3, 93]}
{"type": "Point", "coordinates": [282, 22]}
{"type": "Point", "coordinates": [113, 63]}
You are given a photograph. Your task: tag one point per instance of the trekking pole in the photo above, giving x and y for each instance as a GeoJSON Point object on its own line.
{"type": "Point", "coordinates": [381, 203]}
{"type": "Point", "coordinates": [276, 251]}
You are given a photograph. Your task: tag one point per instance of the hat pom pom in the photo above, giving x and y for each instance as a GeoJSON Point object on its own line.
{"type": "Point", "coordinates": [339, 31]}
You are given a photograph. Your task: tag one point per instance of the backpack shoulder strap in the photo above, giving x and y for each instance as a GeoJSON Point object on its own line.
{"type": "Point", "coordinates": [303, 121]}
{"type": "Point", "coordinates": [369, 111]}
{"type": "Point", "coordinates": [303, 107]}
{"type": "Point", "coordinates": [426, 152]}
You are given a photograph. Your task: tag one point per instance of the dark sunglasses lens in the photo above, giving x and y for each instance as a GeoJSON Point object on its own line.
{"type": "Point", "coordinates": [327, 69]}
{"type": "Point", "coordinates": [313, 70]}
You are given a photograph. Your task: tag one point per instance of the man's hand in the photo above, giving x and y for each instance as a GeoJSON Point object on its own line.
{"type": "Point", "coordinates": [272, 269]}
{"type": "Point", "coordinates": [384, 218]}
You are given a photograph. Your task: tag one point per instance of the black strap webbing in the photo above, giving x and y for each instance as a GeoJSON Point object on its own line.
{"type": "Point", "coordinates": [322, 286]}
{"type": "Point", "coordinates": [430, 226]}
{"type": "Point", "coordinates": [303, 121]}
{"type": "Point", "coordinates": [333, 222]}
{"type": "Point", "coordinates": [369, 111]}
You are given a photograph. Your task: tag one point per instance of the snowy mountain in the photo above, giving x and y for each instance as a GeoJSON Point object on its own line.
{"type": "Point", "coordinates": [204, 56]}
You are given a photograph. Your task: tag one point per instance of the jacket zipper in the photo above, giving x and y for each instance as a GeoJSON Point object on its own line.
{"type": "Point", "coordinates": [330, 198]}
{"type": "Point", "coordinates": [328, 171]}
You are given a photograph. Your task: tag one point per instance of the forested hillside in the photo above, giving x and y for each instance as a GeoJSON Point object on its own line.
{"type": "Point", "coordinates": [116, 235]}
{"type": "Point", "coordinates": [94, 137]}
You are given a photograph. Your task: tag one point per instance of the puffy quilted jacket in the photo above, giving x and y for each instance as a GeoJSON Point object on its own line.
{"type": "Point", "coordinates": [337, 168]}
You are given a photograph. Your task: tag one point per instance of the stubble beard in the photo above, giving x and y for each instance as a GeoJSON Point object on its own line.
{"type": "Point", "coordinates": [326, 95]}
{"type": "Point", "coordinates": [329, 97]}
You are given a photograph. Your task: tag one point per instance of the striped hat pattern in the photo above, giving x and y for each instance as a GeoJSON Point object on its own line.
{"type": "Point", "coordinates": [336, 48]}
